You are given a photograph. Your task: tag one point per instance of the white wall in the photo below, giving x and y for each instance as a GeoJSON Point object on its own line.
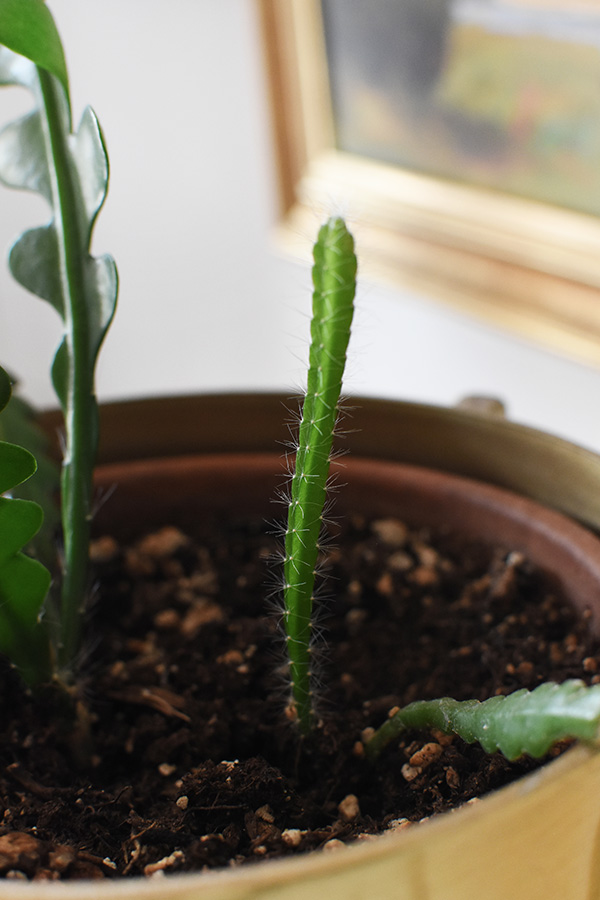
{"type": "Point", "coordinates": [206, 303]}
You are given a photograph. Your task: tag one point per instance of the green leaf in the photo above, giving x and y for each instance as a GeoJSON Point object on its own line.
{"type": "Point", "coordinates": [18, 425]}
{"type": "Point", "coordinates": [5, 388]}
{"type": "Point", "coordinates": [27, 28]}
{"type": "Point", "coordinates": [525, 722]}
{"type": "Point", "coordinates": [16, 466]}
{"type": "Point", "coordinates": [24, 582]}
{"type": "Point", "coordinates": [19, 520]}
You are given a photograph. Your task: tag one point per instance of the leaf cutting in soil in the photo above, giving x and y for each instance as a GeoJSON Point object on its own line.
{"type": "Point", "coordinates": [525, 722]}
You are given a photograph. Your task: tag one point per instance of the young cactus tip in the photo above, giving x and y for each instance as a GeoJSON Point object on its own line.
{"type": "Point", "coordinates": [334, 281]}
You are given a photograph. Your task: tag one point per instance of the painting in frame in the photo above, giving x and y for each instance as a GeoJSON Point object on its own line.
{"type": "Point", "coordinates": [462, 137]}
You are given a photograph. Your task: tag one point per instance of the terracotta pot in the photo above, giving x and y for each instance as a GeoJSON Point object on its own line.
{"type": "Point", "coordinates": [538, 465]}
{"type": "Point", "coordinates": [538, 838]}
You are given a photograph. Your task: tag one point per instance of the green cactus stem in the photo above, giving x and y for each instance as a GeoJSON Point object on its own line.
{"type": "Point", "coordinates": [525, 722]}
{"type": "Point", "coordinates": [334, 280]}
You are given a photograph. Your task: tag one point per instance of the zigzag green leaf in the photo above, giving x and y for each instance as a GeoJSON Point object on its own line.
{"type": "Point", "coordinates": [24, 582]}
{"type": "Point", "coordinates": [525, 722]}
{"type": "Point", "coordinates": [70, 170]}
{"type": "Point", "coordinates": [18, 425]}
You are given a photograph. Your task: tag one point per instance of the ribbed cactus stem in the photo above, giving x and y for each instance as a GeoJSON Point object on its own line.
{"type": "Point", "coordinates": [524, 722]}
{"type": "Point", "coordinates": [334, 280]}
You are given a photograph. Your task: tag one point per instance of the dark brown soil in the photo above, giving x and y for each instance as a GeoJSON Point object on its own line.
{"type": "Point", "coordinates": [194, 762]}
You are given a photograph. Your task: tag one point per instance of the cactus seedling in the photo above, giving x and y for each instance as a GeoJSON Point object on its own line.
{"type": "Point", "coordinates": [334, 279]}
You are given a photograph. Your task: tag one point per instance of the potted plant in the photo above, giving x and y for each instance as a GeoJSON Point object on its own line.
{"type": "Point", "coordinates": [41, 153]}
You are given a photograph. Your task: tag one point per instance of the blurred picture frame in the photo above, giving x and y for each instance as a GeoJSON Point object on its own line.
{"type": "Point", "coordinates": [462, 140]}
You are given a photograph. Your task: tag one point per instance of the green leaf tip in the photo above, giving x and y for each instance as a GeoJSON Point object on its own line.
{"type": "Point", "coordinates": [5, 388]}
{"type": "Point", "coordinates": [27, 28]}
{"type": "Point", "coordinates": [334, 280]}
{"type": "Point", "coordinates": [24, 582]}
{"type": "Point", "coordinates": [522, 723]}
{"type": "Point", "coordinates": [16, 463]}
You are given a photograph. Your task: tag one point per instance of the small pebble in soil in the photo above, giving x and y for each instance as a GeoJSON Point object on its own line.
{"type": "Point", "coordinates": [426, 755]}
{"type": "Point", "coordinates": [390, 531]}
{"type": "Point", "coordinates": [291, 837]}
{"type": "Point", "coordinates": [398, 824]}
{"type": "Point", "coordinates": [349, 808]}
{"type": "Point", "coordinates": [409, 773]}
{"type": "Point", "coordinates": [333, 844]}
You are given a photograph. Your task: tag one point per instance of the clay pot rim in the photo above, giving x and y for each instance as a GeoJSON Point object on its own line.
{"type": "Point", "coordinates": [499, 451]}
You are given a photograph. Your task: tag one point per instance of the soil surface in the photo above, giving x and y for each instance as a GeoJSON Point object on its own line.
{"type": "Point", "coordinates": [193, 762]}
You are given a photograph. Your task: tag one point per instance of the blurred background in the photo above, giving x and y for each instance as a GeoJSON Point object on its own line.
{"type": "Point", "coordinates": [207, 301]}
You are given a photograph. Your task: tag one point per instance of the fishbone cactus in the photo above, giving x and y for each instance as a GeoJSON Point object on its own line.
{"type": "Point", "coordinates": [525, 722]}
{"type": "Point", "coordinates": [24, 582]}
{"type": "Point", "coordinates": [70, 170]}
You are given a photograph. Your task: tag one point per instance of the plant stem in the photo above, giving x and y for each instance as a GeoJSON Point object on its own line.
{"type": "Point", "coordinates": [73, 378]}
{"type": "Point", "coordinates": [334, 280]}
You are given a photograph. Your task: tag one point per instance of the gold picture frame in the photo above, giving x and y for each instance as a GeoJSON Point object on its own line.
{"type": "Point", "coordinates": [524, 265]}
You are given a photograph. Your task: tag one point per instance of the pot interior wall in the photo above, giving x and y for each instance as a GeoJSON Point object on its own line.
{"type": "Point", "coordinates": [538, 465]}
{"type": "Point", "coordinates": [179, 491]}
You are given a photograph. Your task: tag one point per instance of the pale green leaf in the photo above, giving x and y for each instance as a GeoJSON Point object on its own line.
{"type": "Point", "coordinates": [91, 159]}
{"type": "Point", "coordinates": [23, 161]}
{"type": "Point", "coordinates": [34, 262]}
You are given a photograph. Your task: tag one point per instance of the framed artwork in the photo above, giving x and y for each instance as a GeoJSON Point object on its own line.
{"type": "Point", "coordinates": [461, 138]}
